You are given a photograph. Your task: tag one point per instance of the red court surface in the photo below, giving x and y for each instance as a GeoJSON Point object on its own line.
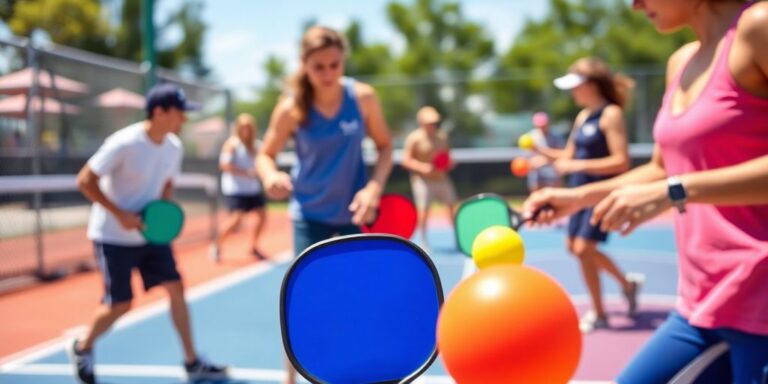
{"type": "Point", "coordinates": [45, 311]}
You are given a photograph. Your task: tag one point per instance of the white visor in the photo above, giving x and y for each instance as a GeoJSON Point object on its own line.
{"type": "Point", "coordinates": [569, 81]}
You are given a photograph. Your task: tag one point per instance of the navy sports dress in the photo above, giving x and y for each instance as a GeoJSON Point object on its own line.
{"type": "Point", "coordinates": [590, 143]}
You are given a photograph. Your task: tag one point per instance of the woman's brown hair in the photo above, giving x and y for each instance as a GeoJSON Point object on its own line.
{"type": "Point", "coordinates": [614, 87]}
{"type": "Point", "coordinates": [245, 119]}
{"type": "Point", "coordinates": [315, 39]}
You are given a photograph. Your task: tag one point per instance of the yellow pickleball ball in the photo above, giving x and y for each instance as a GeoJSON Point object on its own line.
{"type": "Point", "coordinates": [525, 142]}
{"type": "Point", "coordinates": [498, 245]}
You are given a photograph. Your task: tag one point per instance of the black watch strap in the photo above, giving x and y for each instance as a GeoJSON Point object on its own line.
{"type": "Point", "coordinates": [676, 192]}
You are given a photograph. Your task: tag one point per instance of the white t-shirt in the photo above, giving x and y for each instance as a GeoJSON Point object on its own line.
{"type": "Point", "coordinates": [133, 171]}
{"type": "Point", "coordinates": [235, 185]}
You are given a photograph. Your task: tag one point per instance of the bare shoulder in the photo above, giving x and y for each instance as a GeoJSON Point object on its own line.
{"type": "Point", "coordinates": [229, 143]}
{"type": "Point", "coordinates": [410, 139]}
{"type": "Point", "coordinates": [364, 91]}
{"type": "Point", "coordinates": [612, 118]}
{"type": "Point", "coordinates": [754, 24]}
{"type": "Point", "coordinates": [285, 105]}
{"type": "Point", "coordinates": [581, 117]}
{"type": "Point", "coordinates": [613, 111]}
{"type": "Point", "coordinates": [285, 112]}
{"type": "Point", "coordinates": [680, 57]}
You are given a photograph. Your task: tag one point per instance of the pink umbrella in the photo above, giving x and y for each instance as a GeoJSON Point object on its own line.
{"type": "Point", "coordinates": [206, 135]}
{"type": "Point", "coordinates": [122, 105]}
{"type": "Point", "coordinates": [16, 106]}
{"type": "Point", "coordinates": [212, 125]}
{"type": "Point", "coordinates": [120, 98]}
{"type": "Point", "coordinates": [21, 81]}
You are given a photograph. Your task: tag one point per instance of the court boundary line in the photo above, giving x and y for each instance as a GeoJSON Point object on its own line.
{"type": "Point", "coordinates": [555, 254]}
{"type": "Point", "coordinates": [47, 348]}
{"type": "Point", "coordinates": [176, 372]}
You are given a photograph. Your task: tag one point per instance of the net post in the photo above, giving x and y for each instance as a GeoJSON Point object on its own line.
{"type": "Point", "coordinates": [34, 127]}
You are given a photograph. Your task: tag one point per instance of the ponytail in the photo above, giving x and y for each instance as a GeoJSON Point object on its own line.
{"type": "Point", "coordinates": [315, 39]}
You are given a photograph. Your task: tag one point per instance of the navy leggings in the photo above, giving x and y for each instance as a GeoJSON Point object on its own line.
{"type": "Point", "coordinates": [733, 356]}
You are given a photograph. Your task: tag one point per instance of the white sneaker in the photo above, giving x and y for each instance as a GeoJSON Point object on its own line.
{"type": "Point", "coordinates": [214, 253]}
{"type": "Point", "coordinates": [590, 322]}
{"type": "Point", "coordinates": [636, 281]}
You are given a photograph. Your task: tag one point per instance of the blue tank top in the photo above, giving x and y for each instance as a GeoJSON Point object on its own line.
{"type": "Point", "coordinates": [330, 168]}
{"type": "Point", "coordinates": [590, 143]}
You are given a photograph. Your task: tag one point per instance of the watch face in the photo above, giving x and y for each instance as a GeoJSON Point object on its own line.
{"type": "Point", "coordinates": [676, 192]}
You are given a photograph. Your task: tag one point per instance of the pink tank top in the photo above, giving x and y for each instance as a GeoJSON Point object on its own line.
{"type": "Point", "coordinates": [723, 250]}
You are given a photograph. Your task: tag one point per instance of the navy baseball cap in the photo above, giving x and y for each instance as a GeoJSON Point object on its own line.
{"type": "Point", "coordinates": [167, 95]}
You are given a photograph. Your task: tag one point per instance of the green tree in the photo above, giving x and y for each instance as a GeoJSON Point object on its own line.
{"type": "Point", "coordinates": [80, 24]}
{"type": "Point", "coordinates": [365, 59]}
{"type": "Point", "coordinates": [6, 9]}
{"type": "Point", "coordinates": [268, 94]}
{"type": "Point", "coordinates": [545, 48]}
{"type": "Point", "coordinates": [441, 46]}
{"type": "Point", "coordinates": [185, 54]}
{"type": "Point", "coordinates": [76, 23]}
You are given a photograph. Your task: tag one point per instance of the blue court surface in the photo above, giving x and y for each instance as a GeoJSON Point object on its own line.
{"type": "Point", "coordinates": [236, 318]}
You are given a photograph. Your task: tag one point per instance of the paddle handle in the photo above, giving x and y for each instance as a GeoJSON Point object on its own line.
{"type": "Point", "coordinates": [518, 220]}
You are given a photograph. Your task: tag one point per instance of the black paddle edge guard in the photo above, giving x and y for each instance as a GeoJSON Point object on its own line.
{"type": "Point", "coordinates": [464, 203]}
{"type": "Point", "coordinates": [358, 237]}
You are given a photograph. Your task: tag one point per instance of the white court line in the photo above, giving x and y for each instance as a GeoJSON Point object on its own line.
{"type": "Point", "coordinates": [469, 268]}
{"type": "Point", "coordinates": [48, 348]}
{"type": "Point", "coordinates": [652, 299]}
{"type": "Point", "coordinates": [548, 255]}
{"type": "Point", "coordinates": [176, 372]}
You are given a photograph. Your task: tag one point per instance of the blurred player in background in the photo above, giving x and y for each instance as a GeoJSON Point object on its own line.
{"type": "Point", "coordinates": [426, 154]}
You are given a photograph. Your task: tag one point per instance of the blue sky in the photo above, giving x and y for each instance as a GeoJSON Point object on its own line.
{"type": "Point", "coordinates": [242, 34]}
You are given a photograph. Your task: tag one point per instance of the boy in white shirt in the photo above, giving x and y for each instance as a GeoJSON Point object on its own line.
{"type": "Point", "coordinates": [133, 167]}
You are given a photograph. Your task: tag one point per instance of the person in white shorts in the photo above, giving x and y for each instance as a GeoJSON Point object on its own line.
{"type": "Point", "coordinates": [240, 184]}
{"type": "Point", "coordinates": [134, 166]}
{"type": "Point", "coordinates": [428, 183]}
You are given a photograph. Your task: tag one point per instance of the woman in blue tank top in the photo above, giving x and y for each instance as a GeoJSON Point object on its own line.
{"type": "Point", "coordinates": [596, 150]}
{"type": "Point", "coordinates": [327, 116]}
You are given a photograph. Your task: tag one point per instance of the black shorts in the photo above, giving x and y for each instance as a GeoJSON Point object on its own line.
{"type": "Point", "coordinates": [154, 262]}
{"type": "Point", "coordinates": [579, 226]}
{"type": "Point", "coordinates": [245, 203]}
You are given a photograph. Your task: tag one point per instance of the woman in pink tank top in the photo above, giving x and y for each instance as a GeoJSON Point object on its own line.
{"type": "Point", "coordinates": [710, 165]}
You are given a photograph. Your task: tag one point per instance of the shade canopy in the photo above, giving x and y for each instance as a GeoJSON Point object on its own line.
{"type": "Point", "coordinates": [120, 98]}
{"type": "Point", "coordinates": [20, 82]}
{"type": "Point", "coordinates": [16, 106]}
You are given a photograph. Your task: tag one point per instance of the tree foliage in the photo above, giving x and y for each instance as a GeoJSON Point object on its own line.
{"type": "Point", "coordinates": [365, 59]}
{"type": "Point", "coordinates": [268, 94]}
{"type": "Point", "coordinates": [76, 23]}
{"type": "Point", "coordinates": [608, 29]}
{"type": "Point", "coordinates": [440, 44]}
{"type": "Point", "coordinates": [82, 24]}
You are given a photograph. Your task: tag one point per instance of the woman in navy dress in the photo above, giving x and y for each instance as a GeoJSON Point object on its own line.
{"type": "Point", "coordinates": [596, 150]}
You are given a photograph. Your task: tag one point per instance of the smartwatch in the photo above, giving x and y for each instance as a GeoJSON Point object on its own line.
{"type": "Point", "coordinates": [676, 193]}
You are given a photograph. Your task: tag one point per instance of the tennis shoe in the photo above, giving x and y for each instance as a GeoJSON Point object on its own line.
{"type": "Point", "coordinates": [204, 369]}
{"type": "Point", "coordinates": [591, 322]}
{"type": "Point", "coordinates": [635, 282]}
{"type": "Point", "coordinates": [83, 363]}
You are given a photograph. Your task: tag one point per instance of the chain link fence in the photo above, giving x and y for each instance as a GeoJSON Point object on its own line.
{"type": "Point", "coordinates": [57, 105]}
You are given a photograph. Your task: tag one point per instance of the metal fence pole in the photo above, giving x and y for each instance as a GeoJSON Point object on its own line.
{"type": "Point", "coordinates": [34, 132]}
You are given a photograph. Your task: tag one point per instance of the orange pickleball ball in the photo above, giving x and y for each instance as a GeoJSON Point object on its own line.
{"type": "Point", "coordinates": [519, 166]}
{"type": "Point", "coordinates": [509, 324]}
